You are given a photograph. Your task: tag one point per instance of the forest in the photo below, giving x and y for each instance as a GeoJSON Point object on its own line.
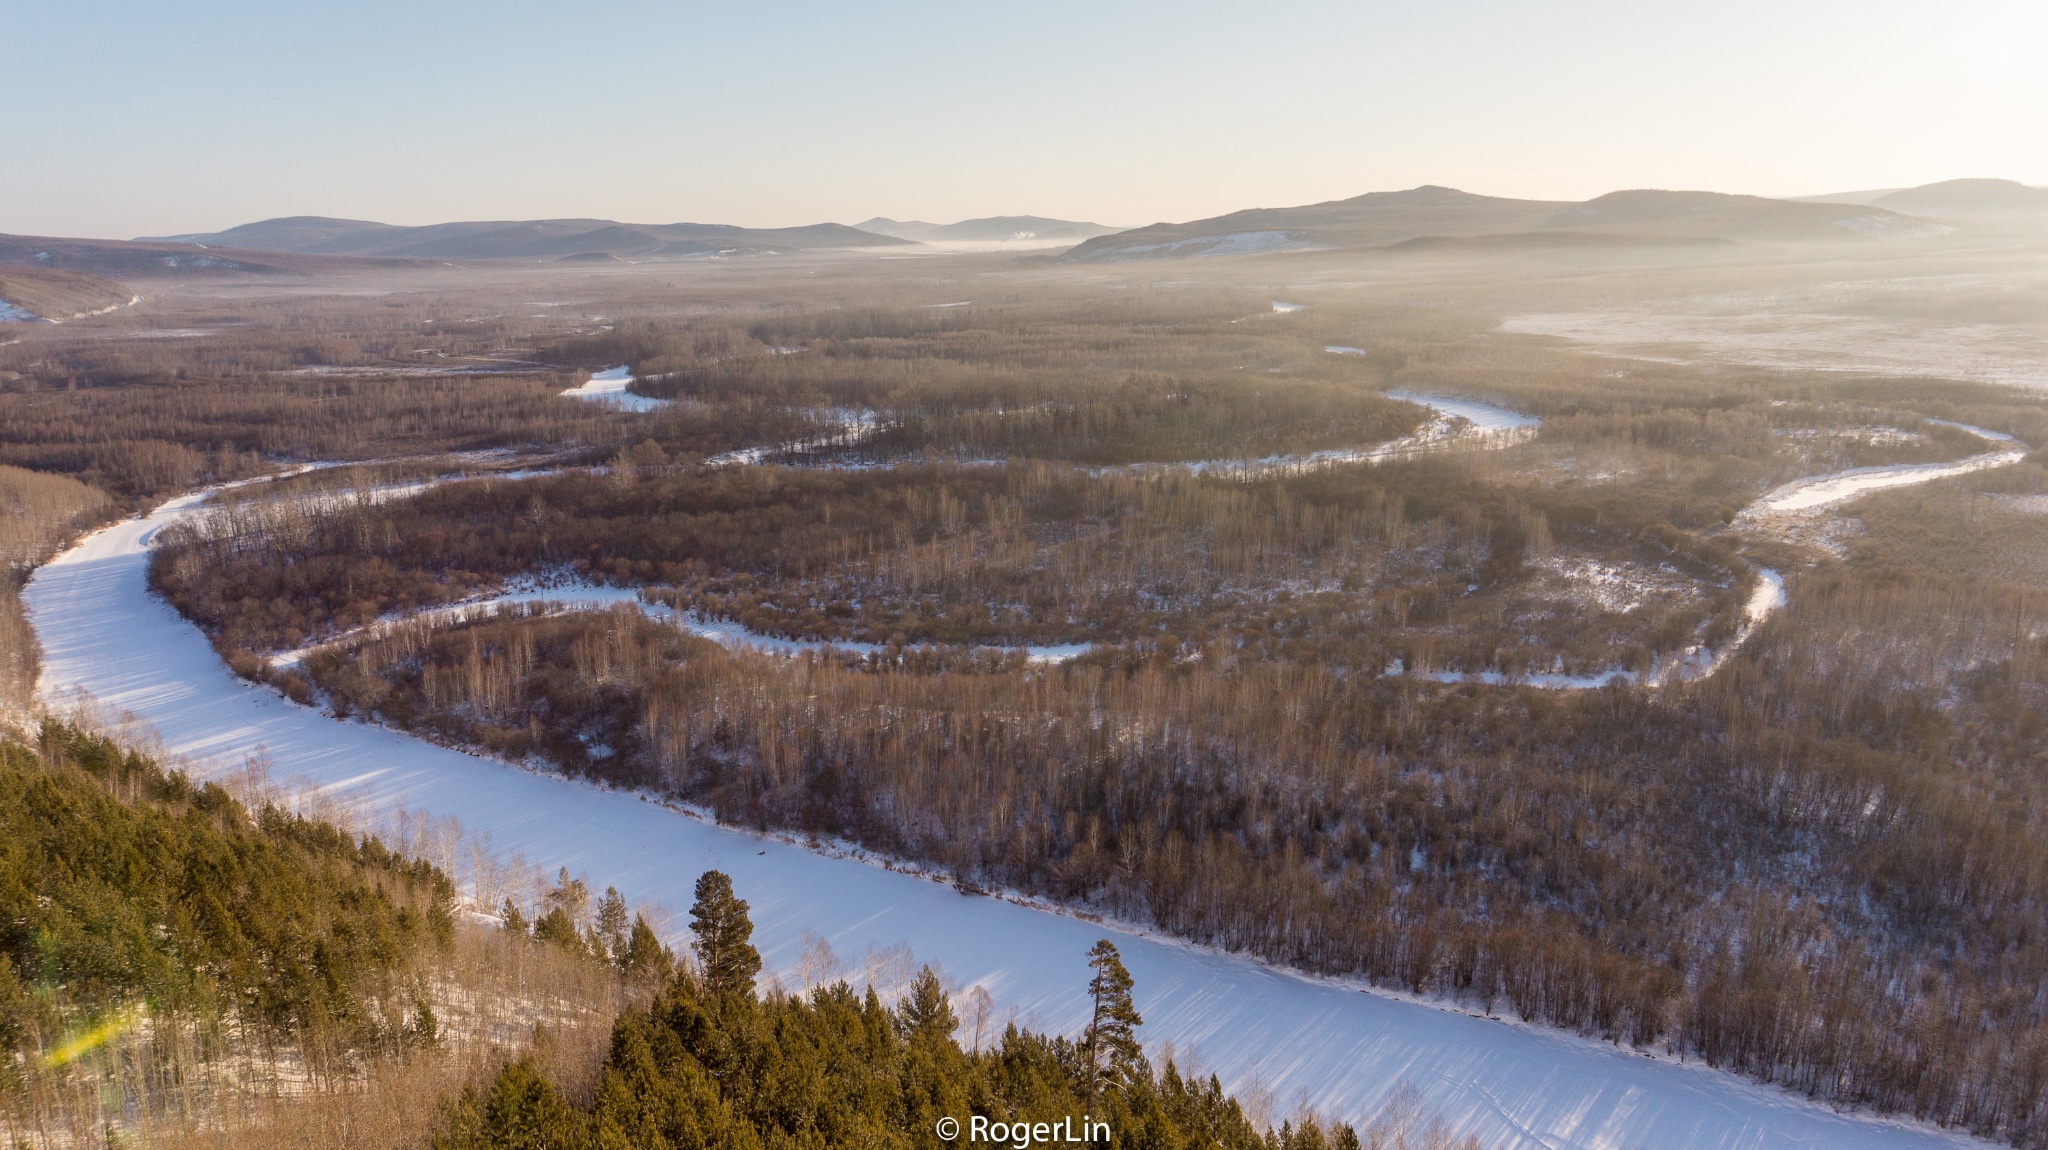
{"type": "Point", "coordinates": [1300, 713]}
{"type": "Point", "coordinates": [182, 970]}
{"type": "Point", "coordinates": [711, 1062]}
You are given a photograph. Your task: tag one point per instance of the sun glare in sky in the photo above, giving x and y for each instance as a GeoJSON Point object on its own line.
{"type": "Point", "coordinates": [129, 118]}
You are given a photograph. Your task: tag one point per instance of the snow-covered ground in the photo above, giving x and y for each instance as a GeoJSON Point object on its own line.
{"type": "Point", "coordinates": [609, 387]}
{"type": "Point", "coordinates": [1686, 666]}
{"type": "Point", "coordinates": [12, 314]}
{"type": "Point", "coordinates": [1786, 507]}
{"type": "Point", "coordinates": [1326, 1043]}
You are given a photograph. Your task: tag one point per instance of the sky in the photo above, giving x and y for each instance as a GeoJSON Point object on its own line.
{"type": "Point", "coordinates": [135, 117]}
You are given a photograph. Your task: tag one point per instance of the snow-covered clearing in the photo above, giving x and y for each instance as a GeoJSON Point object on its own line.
{"type": "Point", "coordinates": [1326, 1043]}
{"type": "Point", "coordinates": [609, 388]}
{"type": "Point", "coordinates": [1684, 666]}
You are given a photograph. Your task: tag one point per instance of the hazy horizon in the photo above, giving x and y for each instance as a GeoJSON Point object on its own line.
{"type": "Point", "coordinates": [796, 113]}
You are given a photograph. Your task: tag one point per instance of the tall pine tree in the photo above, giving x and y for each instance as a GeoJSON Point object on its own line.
{"type": "Point", "coordinates": [727, 961]}
{"type": "Point", "coordinates": [1110, 1044]}
{"type": "Point", "coordinates": [927, 1012]}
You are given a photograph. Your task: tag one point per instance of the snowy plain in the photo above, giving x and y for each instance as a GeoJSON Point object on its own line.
{"type": "Point", "coordinates": [1331, 1044]}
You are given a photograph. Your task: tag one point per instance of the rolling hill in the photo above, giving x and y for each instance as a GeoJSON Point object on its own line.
{"type": "Point", "coordinates": [1968, 198]}
{"type": "Point", "coordinates": [145, 259]}
{"type": "Point", "coordinates": [53, 296]}
{"type": "Point", "coordinates": [523, 239]}
{"type": "Point", "coordinates": [989, 229]}
{"type": "Point", "coordinates": [1666, 213]}
{"type": "Point", "coordinates": [1375, 219]}
{"type": "Point", "coordinates": [1440, 215]}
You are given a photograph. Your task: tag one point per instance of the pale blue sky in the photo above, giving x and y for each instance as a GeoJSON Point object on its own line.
{"type": "Point", "coordinates": [124, 117]}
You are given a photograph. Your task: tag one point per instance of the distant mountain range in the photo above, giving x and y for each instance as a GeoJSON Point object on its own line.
{"type": "Point", "coordinates": [1035, 230]}
{"type": "Point", "coordinates": [143, 259]}
{"type": "Point", "coordinates": [1424, 219]}
{"type": "Point", "coordinates": [1438, 217]}
{"type": "Point", "coordinates": [580, 240]}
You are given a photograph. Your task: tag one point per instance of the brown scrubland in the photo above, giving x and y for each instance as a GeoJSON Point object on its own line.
{"type": "Point", "coordinates": [1819, 866]}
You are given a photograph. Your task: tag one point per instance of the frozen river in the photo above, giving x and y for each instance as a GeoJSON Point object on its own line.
{"type": "Point", "coordinates": [609, 386]}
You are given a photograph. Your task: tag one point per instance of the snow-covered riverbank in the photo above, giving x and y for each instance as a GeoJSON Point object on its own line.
{"type": "Point", "coordinates": [1326, 1043]}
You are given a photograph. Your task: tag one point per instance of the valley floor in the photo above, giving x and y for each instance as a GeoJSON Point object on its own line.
{"type": "Point", "coordinates": [1331, 1045]}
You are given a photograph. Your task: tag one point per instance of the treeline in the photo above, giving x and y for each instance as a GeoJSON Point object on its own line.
{"type": "Point", "coordinates": [38, 513]}
{"type": "Point", "coordinates": [1801, 870]}
{"type": "Point", "coordinates": [194, 335]}
{"type": "Point", "coordinates": [1126, 381]}
{"type": "Point", "coordinates": [143, 443]}
{"type": "Point", "coordinates": [710, 1062]}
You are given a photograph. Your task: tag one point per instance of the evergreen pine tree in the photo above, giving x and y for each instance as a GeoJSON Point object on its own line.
{"type": "Point", "coordinates": [613, 925]}
{"type": "Point", "coordinates": [726, 960]}
{"type": "Point", "coordinates": [1110, 1044]}
{"type": "Point", "coordinates": [645, 959]}
{"type": "Point", "coordinates": [927, 1012]}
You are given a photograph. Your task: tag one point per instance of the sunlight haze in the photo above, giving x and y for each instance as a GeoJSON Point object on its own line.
{"type": "Point", "coordinates": [128, 119]}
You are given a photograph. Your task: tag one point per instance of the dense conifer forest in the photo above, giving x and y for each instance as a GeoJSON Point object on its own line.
{"type": "Point", "coordinates": [711, 1062]}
